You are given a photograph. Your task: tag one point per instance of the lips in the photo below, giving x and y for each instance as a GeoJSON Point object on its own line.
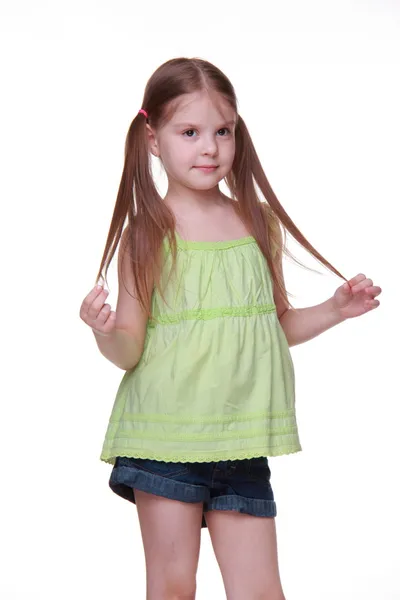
{"type": "Point", "coordinates": [207, 169]}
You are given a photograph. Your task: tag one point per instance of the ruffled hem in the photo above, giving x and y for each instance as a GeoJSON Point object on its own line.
{"type": "Point", "coordinates": [199, 457]}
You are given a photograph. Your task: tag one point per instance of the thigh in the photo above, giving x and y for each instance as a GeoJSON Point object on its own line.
{"type": "Point", "coordinates": [246, 550]}
{"type": "Point", "coordinates": [171, 532]}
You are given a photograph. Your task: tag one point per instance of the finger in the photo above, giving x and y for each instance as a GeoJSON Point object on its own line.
{"type": "Point", "coordinates": [98, 322]}
{"type": "Point", "coordinates": [87, 302]}
{"type": "Point", "coordinates": [108, 325]}
{"type": "Point", "coordinates": [370, 304]}
{"type": "Point", "coordinates": [354, 280]}
{"type": "Point", "coordinates": [97, 305]}
{"type": "Point", "coordinates": [361, 285]}
{"type": "Point", "coordinates": [373, 290]}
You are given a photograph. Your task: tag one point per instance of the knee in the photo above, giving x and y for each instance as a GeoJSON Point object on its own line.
{"type": "Point", "coordinates": [181, 588]}
{"type": "Point", "coordinates": [171, 582]}
{"type": "Point", "coordinates": [180, 594]}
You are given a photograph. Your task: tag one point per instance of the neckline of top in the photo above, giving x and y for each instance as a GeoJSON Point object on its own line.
{"type": "Point", "coordinates": [219, 245]}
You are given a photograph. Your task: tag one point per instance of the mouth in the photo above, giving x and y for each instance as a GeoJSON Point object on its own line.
{"type": "Point", "coordinates": [207, 168]}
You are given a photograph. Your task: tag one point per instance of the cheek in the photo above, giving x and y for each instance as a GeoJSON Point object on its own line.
{"type": "Point", "coordinates": [168, 154]}
{"type": "Point", "coordinates": [230, 154]}
{"type": "Point", "coordinates": [177, 157]}
{"type": "Point", "coordinates": [182, 155]}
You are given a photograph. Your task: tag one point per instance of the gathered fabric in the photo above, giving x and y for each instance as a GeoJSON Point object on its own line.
{"type": "Point", "coordinates": [216, 379]}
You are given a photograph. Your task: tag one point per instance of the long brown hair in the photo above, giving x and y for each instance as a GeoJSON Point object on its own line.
{"type": "Point", "coordinates": [149, 218]}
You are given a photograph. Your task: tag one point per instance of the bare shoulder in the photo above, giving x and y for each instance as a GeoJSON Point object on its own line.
{"type": "Point", "coordinates": [129, 314]}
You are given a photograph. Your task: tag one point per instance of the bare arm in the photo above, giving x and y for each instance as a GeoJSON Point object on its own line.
{"type": "Point", "coordinates": [120, 347]}
{"type": "Point", "coordinates": [303, 324]}
{"type": "Point", "coordinates": [124, 344]}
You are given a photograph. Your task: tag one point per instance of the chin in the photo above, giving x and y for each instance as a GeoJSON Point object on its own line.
{"type": "Point", "coordinates": [198, 188]}
{"type": "Point", "coordinates": [206, 185]}
{"type": "Point", "coordinates": [210, 180]}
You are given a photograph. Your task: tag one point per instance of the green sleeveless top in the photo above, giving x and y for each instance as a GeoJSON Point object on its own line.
{"type": "Point", "coordinates": [215, 380]}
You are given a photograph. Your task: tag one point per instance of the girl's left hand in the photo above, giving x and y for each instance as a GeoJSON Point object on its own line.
{"type": "Point", "coordinates": [356, 299]}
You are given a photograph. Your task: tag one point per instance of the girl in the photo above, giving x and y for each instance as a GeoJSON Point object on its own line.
{"type": "Point", "coordinates": [203, 327]}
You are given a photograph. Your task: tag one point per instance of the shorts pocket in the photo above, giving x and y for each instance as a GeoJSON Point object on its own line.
{"type": "Point", "coordinates": [258, 470]}
{"type": "Point", "coordinates": [156, 467]}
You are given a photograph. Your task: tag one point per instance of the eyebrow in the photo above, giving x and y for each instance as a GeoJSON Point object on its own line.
{"type": "Point", "coordinates": [182, 125]}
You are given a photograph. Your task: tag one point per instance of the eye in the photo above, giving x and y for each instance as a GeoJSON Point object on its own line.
{"type": "Point", "coordinates": [192, 130]}
{"type": "Point", "coordinates": [188, 132]}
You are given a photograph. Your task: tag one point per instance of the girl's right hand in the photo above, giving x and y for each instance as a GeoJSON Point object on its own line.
{"type": "Point", "coordinates": [96, 314]}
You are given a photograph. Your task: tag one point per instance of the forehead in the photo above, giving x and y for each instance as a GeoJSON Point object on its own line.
{"type": "Point", "coordinates": [201, 109]}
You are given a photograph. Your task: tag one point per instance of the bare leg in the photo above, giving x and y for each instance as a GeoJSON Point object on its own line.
{"type": "Point", "coordinates": [246, 551]}
{"type": "Point", "coordinates": [171, 532]}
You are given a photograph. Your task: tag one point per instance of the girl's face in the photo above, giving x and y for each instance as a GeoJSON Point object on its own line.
{"type": "Point", "coordinates": [200, 133]}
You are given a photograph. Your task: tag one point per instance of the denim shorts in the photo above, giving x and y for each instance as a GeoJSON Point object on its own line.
{"type": "Point", "coordinates": [238, 485]}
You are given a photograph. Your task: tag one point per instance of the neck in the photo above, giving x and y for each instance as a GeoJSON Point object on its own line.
{"type": "Point", "coordinates": [199, 201]}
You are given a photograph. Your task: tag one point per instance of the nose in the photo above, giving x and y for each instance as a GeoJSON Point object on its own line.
{"type": "Point", "coordinates": [210, 146]}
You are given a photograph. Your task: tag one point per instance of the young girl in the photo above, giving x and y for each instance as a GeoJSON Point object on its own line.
{"type": "Point", "coordinates": [202, 328]}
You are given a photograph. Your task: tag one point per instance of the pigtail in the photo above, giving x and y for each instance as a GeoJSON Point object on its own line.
{"type": "Point", "coordinates": [149, 219]}
{"type": "Point", "coordinates": [264, 219]}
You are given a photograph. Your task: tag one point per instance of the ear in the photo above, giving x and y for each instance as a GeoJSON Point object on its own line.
{"type": "Point", "coordinates": [153, 144]}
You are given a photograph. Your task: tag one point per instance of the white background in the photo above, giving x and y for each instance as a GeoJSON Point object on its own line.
{"type": "Point", "coordinates": [318, 86]}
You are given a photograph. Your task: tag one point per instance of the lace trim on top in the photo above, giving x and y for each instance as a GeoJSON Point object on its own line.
{"type": "Point", "coordinates": [206, 457]}
{"type": "Point", "coordinates": [205, 314]}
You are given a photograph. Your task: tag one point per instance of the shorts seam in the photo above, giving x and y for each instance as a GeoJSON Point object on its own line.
{"type": "Point", "coordinates": [255, 506]}
{"type": "Point", "coordinates": [157, 485]}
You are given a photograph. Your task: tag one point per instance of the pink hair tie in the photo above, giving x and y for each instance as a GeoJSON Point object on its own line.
{"type": "Point", "coordinates": [144, 112]}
